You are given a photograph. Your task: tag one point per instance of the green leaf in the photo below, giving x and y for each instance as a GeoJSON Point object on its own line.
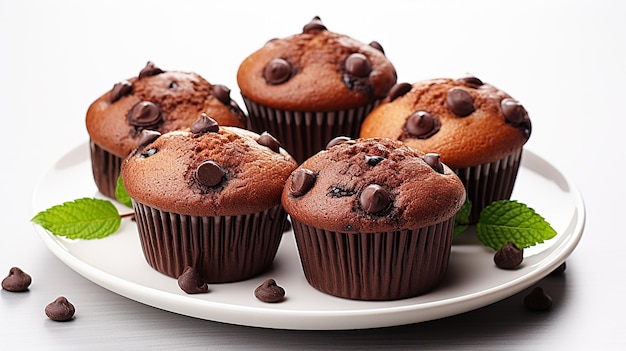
{"type": "Point", "coordinates": [121, 195]}
{"type": "Point", "coordinates": [461, 220]}
{"type": "Point", "coordinates": [85, 218]}
{"type": "Point", "coordinates": [511, 221]}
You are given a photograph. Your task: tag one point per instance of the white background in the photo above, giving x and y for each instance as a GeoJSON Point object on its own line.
{"type": "Point", "coordinates": [564, 60]}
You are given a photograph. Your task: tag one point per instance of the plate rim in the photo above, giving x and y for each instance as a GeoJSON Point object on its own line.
{"type": "Point", "coordinates": [317, 320]}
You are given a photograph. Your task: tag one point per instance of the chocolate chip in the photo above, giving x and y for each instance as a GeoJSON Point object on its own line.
{"type": "Point", "coordinates": [301, 182]}
{"type": "Point", "coordinates": [339, 191]}
{"type": "Point", "coordinates": [16, 281]}
{"type": "Point", "coordinates": [421, 125]}
{"type": "Point", "coordinates": [373, 160]}
{"type": "Point", "coordinates": [60, 310]}
{"type": "Point", "coordinates": [222, 93]}
{"type": "Point", "coordinates": [144, 114]}
{"type": "Point", "coordinates": [471, 81]}
{"type": "Point", "coordinates": [147, 136]}
{"type": "Point", "coordinates": [513, 111]}
{"type": "Point", "coordinates": [538, 300]}
{"type": "Point", "coordinates": [376, 45]}
{"type": "Point", "coordinates": [509, 256]}
{"type": "Point", "coordinates": [336, 141]}
{"type": "Point", "coordinates": [209, 173]}
{"type": "Point", "coordinates": [150, 70]}
{"type": "Point", "coordinates": [358, 65]}
{"type": "Point", "coordinates": [277, 71]}
{"type": "Point", "coordinates": [173, 85]}
{"type": "Point", "coordinates": [120, 90]}
{"type": "Point", "coordinates": [314, 25]}
{"type": "Point", "coordinates": [191, 282]}
{"type": "Point", "coordinates": [559, 270]}
{"type": "Point", "coordinates": [266, 139]}
{"type": "Point", "coordinates": [149, 152]}
{"type": "Point", "coordinates": [269, 291]}
{"type": "Point", "coordinates": [434, 161]}
{"type": "Point", "coordinates": [399, 90]}
{"type": "Point", "coordinates": [204, 124]}
{"type": "Point", "coordinates": [374, 198]}
{"type": "Point", "coordinates": [460, 102]}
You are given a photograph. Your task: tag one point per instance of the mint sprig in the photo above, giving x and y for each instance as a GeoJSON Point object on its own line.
{"type": "Point", "coordinates": [121, 195]}
{"type": "Point", "coordinates": [511, 221]}
{"type": "Point", "coordinates": [461, 220]}
{"type": "Point", "coordinates": [85, 218]}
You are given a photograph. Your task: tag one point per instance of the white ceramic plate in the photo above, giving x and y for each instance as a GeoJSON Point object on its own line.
{"type": "Point", "coordinates": [116, 263]}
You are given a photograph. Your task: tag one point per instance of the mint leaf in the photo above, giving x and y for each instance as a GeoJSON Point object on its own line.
{"type": "Point", "coordinates": [84, 218]}
{"type": "Point", "coordinates": [511, 221]}
{"type": "Point", "coordinates": [121, 195]}
{"type": "Point", "coordinates": [461, 220]}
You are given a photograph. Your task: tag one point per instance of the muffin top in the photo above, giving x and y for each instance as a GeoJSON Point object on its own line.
{"type": "Point", "coordinates": [207, 170]}
{"type": "Point", "coordinates": [372, 185]}
{"type": "Point", "coordinates": [316, 70]}
{"type": "Point", "coordinates": [465, 120]}
{"type": "Point", "coordinates": [157, 100]}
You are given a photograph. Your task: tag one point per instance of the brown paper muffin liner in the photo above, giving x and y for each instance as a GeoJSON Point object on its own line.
{"type": "Point", "coordinates": [105, 168]}
{"type": "Point", "coordinates": [222, 249]}
{"type": "Point", "coordinates": [375, 266]}
{"type": "Point", "coordinates": [490, 182]}
{"type": "Point", "coordinates": [303, 134]}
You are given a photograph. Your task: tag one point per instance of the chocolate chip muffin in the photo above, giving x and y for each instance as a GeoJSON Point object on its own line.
{"type": "Point", "coordinates": [157, 100]}
{"type": "Point", "coordinates": [313, 86]}
{"type": "Point", "coordinates": [208, 197]}
{"type": "Point", "coordinates": [373, 219]}
{"type": "Point", "coordinates": [478, 129]}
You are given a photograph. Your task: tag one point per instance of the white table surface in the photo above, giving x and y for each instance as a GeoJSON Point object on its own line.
{"type": "Point", "coordinates": [564, 60]}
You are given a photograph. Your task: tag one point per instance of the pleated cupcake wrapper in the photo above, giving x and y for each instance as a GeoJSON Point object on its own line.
{"type": "Point", "coordinates": [375, 266]}
{"type": "Point", "coordinates": [303, 134]}
{"type": "Point", "coordinates": [222, 249]}
{"type": "Point", "coordinates": [105, 167]}
{"type": "Point", "coordinates": [490, 182]}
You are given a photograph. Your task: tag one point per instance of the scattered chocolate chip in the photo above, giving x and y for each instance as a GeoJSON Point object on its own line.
{"type": "Point", "coordinates": [513, 111]}
{"type": "Point", "coordinates": [315, 24]}
{"type": "Point", "coordinates": [191, 282]}
{"type": "Point", "coordinates": [399, 90]}
{"type": "Point", "coordinates": [147, 136]}
{"type": "Point", "coordinates": [374, 198]}
{"type": "Point", "coordinates": [471, 81]}
{"type": "Point", "coordinates": [339, 191]}
{"type": "Point", "coordinates": [373, 160]}
{"type": "Point", "coordinates": [120, 90]}
{"type": "Point", "coordinates": [144, 114]}
{"type": "Point", "coordinates": [60, 310]}
{"type": "Point", "coordinates": [509, 256]}
{"type": "Point", "coordinates": [16, 281]}
{"type": "Point", "coordinates": [150, 70]}
{"type": "Point", "coordinates": [277, 71]}
{"type": "Point", "coordinates": [222, 93]}
{"type": "Point", "coordinates": [336, 141]}
{"type": "Point", "coordinates": [538, 300]}
{"type": "Point", "coordinates": [559, 270]}
{"type": "Point", "coordinates": [421, 125]}
{"type": "Point", "coordinates": [301, 182]}
{"type": "Point", "coordinates": [460, 102]}
{"type": "Point", "coordinates": [376, 45]}
{"type": "Point", "coordinates": [149, 152]}
{"type": "Point", "coordinates": [209, 173]}
{"type": "Point", "coordinates": [269, 291]}
{"type": "Point", "coordinates": [204, 124]}
{"type": "Point", "coordinates": [173, 85]}
{"type": "Point", "coordinates": [358, 65]}
{"type": "Point", "coordinates": [434, 161]}
{"type": "Point", "coordinates": [266, 139]}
